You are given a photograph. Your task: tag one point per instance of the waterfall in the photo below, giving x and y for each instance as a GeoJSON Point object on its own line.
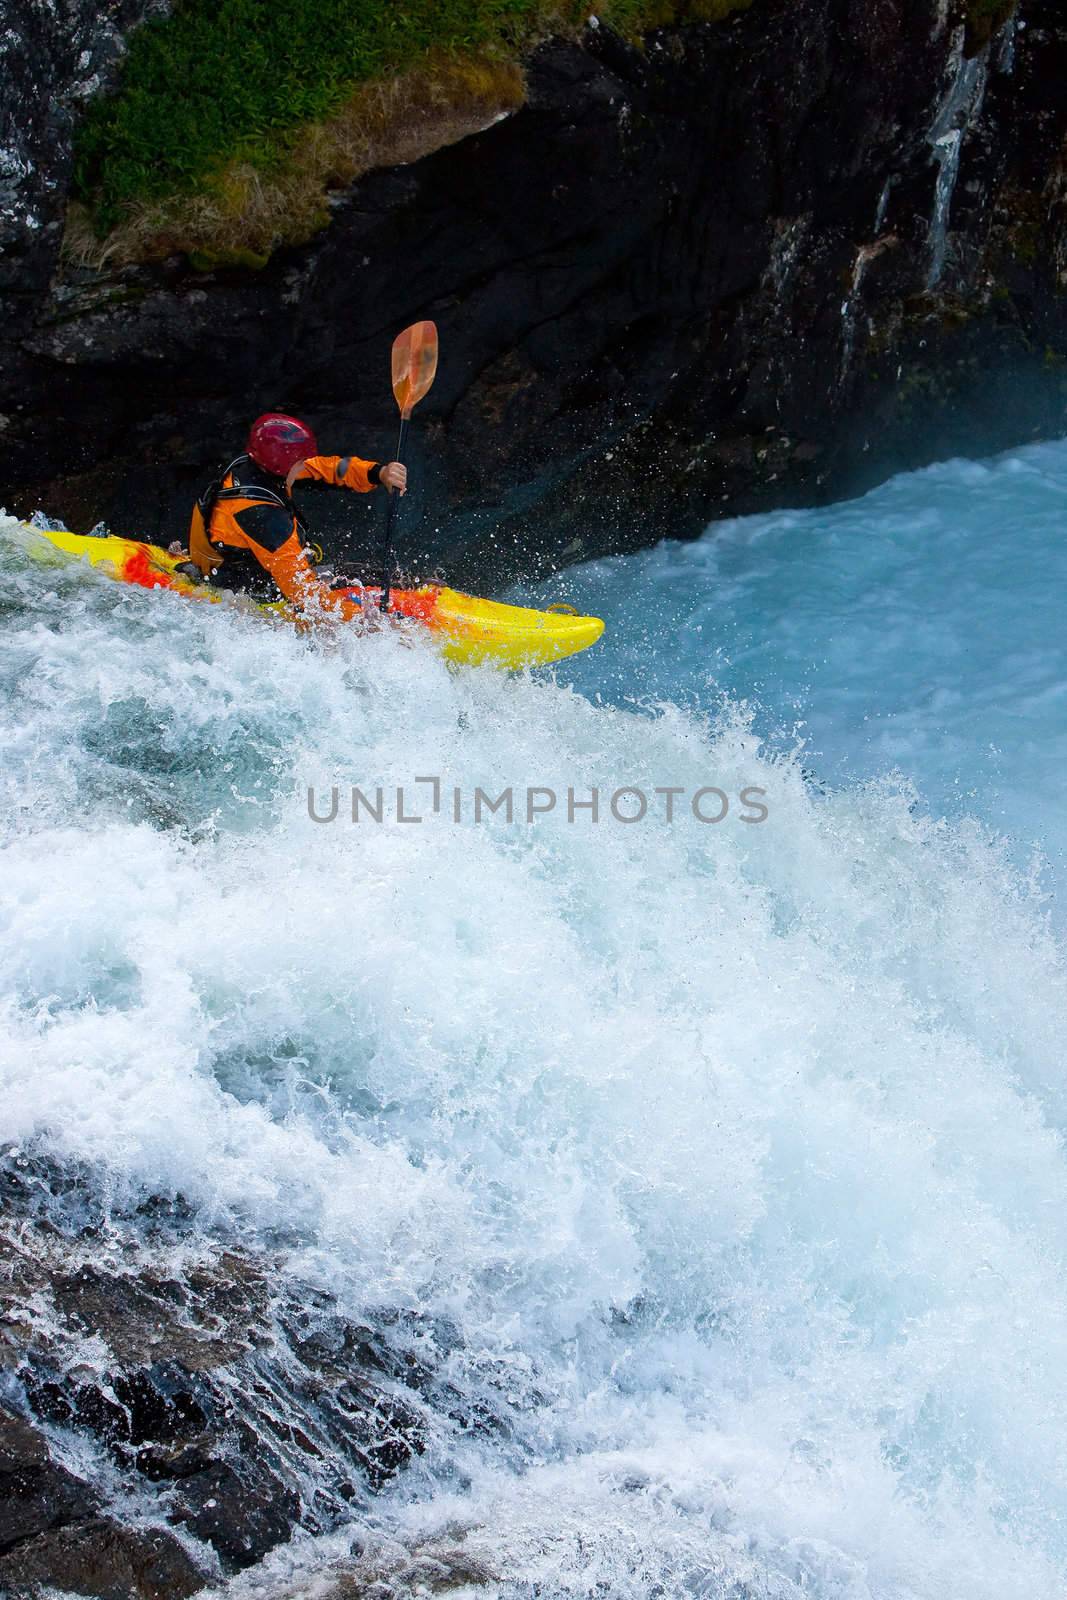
{"type": "Point", "coordinates": [956, 113]}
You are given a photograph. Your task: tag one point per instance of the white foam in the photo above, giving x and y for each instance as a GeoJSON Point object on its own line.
{"type": "Point", "coordinates": [735, 1153]}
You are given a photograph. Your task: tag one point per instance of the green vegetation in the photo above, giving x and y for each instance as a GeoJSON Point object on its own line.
{"type": "Point", "coordinates": [984, 17]}
{"type": "Point", "coordinates": [242, 258]}
{"type": "Point", "coordinates": [227, 86]}
{"type": "Point", "coordinates": [979, 9]}
{"type": "Point", "coordinates": [241, 210]}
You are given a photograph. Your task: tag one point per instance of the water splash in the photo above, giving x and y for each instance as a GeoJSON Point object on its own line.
{"type": "Point", "coordinates": [734, 1154]}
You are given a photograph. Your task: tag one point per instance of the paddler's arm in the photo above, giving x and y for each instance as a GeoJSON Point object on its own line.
{"type": "Point", "coordinates": [349, 472]}
{"type": "Point", "coordinates": [270, 534]}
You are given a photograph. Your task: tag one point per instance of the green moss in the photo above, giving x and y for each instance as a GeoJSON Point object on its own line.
{"type": "Point", "coordinates": [1025, 233]}
{"type": "Point", "coordinates": [634, 17]}
{"type": "Point", "coordinates": [984, 17]}
{"type": "Point", "coordinates": [985, 10]}
{"type": "Point", "coordinates": [226, 80]}
{"type": "Point", "coordinates": [220, 260]}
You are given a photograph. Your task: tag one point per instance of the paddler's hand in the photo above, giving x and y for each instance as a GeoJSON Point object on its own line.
{"type": "Point", "coordinates": [395, 476]}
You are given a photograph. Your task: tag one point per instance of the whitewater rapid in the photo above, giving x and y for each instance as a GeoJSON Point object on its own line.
{"type": "Point", "coordinates": [919, 629]}
{"type": "Point", "coordinates": [734, 1153]}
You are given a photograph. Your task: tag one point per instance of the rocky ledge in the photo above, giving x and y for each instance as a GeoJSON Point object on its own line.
{"type": "Point", "coordinates": [172, 1408]}
{"type": "Point", "coordinates": [760, 262]}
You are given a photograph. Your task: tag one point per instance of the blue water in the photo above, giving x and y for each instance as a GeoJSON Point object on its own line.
{"type": "Point", "coordinates": [735, 1153]}
{"type": "Point", "coordinates": [920, 629]}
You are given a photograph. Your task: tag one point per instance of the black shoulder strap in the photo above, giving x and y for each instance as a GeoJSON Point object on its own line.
{"type": "Point", "coordinates": [257, 493]}
{"type": "Point", "coordinates": [214, 492]}
{"type": "Point", "coordinates": [254, 492]}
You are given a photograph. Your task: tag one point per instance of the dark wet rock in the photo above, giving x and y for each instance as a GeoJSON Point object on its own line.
{"type": "Point", "coordinates": [389, 1570]}
{"type": "Point", "coordinates": [52, 1534]}
{"type": "Point", "coordinates": [237, 1509]}
{"type": "Point", "coordinates": [737, 270]}
{"type": "Point", "coordinates": [36, 1493]}
{"type": "Point", "coordinates": [145, 1363]}
{"type": "Point", "coordinates": [53, 58]}
{"type": "Point", "coordinates": [101, 1558]}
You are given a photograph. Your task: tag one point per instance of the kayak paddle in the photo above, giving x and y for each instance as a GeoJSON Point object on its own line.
{"type": "Point", "coordinates": [414, 369]}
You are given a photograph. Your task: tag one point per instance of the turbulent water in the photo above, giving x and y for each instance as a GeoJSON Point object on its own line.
{"type": "Point", "coordinates": [734, 1151]}
{"type": "Point", "coordinates": [918, 630]}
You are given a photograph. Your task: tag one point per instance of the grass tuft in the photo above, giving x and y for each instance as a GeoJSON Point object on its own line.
{"type": "Point", "coordinates": [243, 211]}
{"type": "Point", "coordinates": [234, 119]}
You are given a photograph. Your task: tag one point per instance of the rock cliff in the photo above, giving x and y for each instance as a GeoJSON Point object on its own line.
{"type": "Point", "coordinates": [172, 1407]}
{"type": "Point", "coordinates": [759, 262]}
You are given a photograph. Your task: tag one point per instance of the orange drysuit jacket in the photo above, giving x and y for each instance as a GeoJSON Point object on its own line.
{"type": "Point", "coordinates": [259, 532]}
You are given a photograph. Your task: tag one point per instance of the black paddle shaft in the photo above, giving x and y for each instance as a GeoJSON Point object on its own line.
{"type": "Point", "coordinates": [390, 521]}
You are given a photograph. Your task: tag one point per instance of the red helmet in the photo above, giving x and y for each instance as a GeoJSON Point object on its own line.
{"type": "Point", "coordinates": [278, 442]}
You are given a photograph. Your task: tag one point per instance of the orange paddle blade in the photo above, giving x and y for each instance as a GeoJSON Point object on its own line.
{"type": "Point", "coordinates": [414, 364]}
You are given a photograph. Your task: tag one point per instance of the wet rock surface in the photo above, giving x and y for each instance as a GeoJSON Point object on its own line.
{"type": "Point", "coordinates": [171, 1408]}
{"type": "Point", "coordinates": [761, 262]}
{"type": "Point", "coordinates": [37, 1493]}
{"type": "Point", "coordinates": [104, 1559]}
{"type": "Point", "coordinates": [388, 1570]}
{"type": "Point", "coordinates": [53, 58]}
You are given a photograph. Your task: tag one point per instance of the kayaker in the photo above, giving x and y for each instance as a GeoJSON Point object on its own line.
{"type": "Point", "coordinates": [246, 533]}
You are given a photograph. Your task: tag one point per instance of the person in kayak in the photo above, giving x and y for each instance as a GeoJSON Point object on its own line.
{"type": "Point", "coordinates": [246, 533]}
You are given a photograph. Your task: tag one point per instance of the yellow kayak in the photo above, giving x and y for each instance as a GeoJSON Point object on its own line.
{"type": "Point", "coordinates": [468, 630]}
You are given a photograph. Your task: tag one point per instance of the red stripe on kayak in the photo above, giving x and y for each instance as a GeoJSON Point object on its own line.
{"type": "Point", "coordinates": [418, 603]}
{"type": "Point", "coordinates": [138, 568]}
